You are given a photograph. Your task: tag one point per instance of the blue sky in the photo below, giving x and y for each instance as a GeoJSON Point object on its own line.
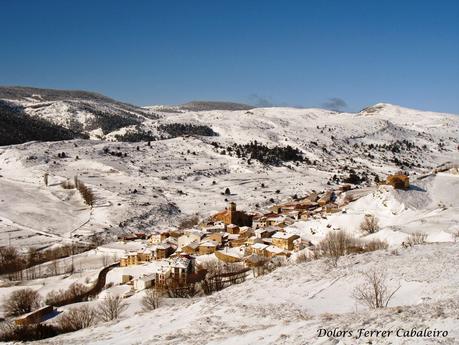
{"type": "Point", "coordinates": [299, 53]}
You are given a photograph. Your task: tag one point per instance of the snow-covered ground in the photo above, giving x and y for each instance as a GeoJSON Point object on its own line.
{"type": "Point", "coordinates": [290, 305]}
{"type": "Point", "coordinates": [156, 186]}
{"type": "Point", "coordinates": [430, 206]}
{"type": "Point", "coordinates": [150, 187]}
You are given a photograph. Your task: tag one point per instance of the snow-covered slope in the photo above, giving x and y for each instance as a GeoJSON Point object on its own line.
{"type": "Point", "coordinates": [83, 113]}
{"type": "Point", "coordinates": [430, 207]}
{"type": "Point", "coordinates": [291, 304]}
{"type": "Point", "coordinates": [155, 184]}
{"type": "Point", "coordinates": [188, 157]}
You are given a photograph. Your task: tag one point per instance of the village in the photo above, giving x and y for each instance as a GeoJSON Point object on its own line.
{"type": "Point", "coordinates": [210, 255]}
{"type": "Point", "coordinates": [237, 240]}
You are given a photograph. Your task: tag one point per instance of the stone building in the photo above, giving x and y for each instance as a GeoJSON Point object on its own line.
{"type": "Point", "coordinates": [232, 216]}
{"type": "Point", "coordinates": [398, 181]}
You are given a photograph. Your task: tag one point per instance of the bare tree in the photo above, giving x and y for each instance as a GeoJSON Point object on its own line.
{"type": "Point", "coordinates": [8, 329]}
{"type": "Point", "coordinates": [18, 334]}
{"type": "Point", "coordinates": [10, 260]}
{"type": "Point", "coordinates": [77, 318]}
{"type": "Point", "coordinates": [303, 256]}
{"type": "Point", "coordinates": [111, 308]}
{"type": "Point", "coordinates": [32, 256]}
{"type": "Point", "coordinates": [370, 224]}
{"type": "Point", "coordinates": [374, 291]}
{"type": "Point", "coordinates": [336, 244]}
{"type": "Point", "coordinates": [213, 280]}
{"type": "Point", "coordinates": [97, 240]}
{"type": "Point", "coordinates": [55, 297]}
{"type": "Point", "coordinates": [77, 289]}
{"type": "Point", "coordinates": [21, 302]}
{"type": "Point", "coordinates": [73, 294]}
{"type": "Point", "coordinates": [417, 238]}
{"type": "Point", "coordinates": [219, 275]}
{"type": "Point", "coordinates": [150, 301]}
{"type": "Point", "coordinates": [375, 245]}
{"type": "Point", "coordinates": [86, 193]}
{"type": "Point", "coordinates": [54, 267]}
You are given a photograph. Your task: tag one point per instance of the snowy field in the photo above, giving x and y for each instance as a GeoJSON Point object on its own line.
{"type": "Point", "coordinates": [34, 215]}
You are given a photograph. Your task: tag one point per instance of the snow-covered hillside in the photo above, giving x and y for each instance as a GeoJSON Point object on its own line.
{"type": "Point", "coordinates": [430, 207]}
{"type": "Point", "coordinates": [173, 163]}
{"type": "Point", "coordinates": [74, 113]}
{"type": "Point", "coordinates": [155, 184]}
{"type": "Point", "coordinates": [291, 304]}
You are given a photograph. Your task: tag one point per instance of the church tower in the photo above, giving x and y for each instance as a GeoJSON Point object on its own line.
{"type": "Point", "coordinates": [232, 212]}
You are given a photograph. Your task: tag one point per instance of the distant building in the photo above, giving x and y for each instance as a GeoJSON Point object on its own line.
{"type": "Point", "coordinates": [181, 267]}
{"type": "Point", "coordinates": [191, 248]}
{"type": "Point", "coordinates": [163, 251]}
{"type": "Point", "coordinates": [266, 232]}
{"type": "Point", "coordinates": [245, 230]}
{"type": "Point", "coordinates": [35, 316]}
{"type": "Point", "coordinates": [176, 272]}
{"type": "Point", "coordinates": [252, 240]}
{"type": "Point", "coordinates": [207, 247]}
{"type": "Point", "coordinates": [211, 227]}
{"type": "Point", "coordinates": [135, 258]}
{"type": "Point", "coordinates": [236, 240]}
{"type": "Point", "coordinates": [284, 240]}
{"type": "Point", "coordinates": [272, 251]}
{"type": "Point", "coordinates": [144, 282]}
{"type": "Point", "coordinates": [158, 237]}
{"type": "Point", "coordinates": [187, 238]}
{"type": "Point", "coordinates": [398, 181]}
{"type": "Point", "coordinates": [326, 198]}
{"type": "Point", "coordinates": [232, 229]}
{"type": "Point", "coordinates": [229, 256]}
{"type": "Point", "coordinates": [233, 216]}
{"type": "Point", "coordinates": [218, 237]}
{"type": "Point", "coordinates": [260, 221]}
{"type": "Point", "coordinates": [258, 249]}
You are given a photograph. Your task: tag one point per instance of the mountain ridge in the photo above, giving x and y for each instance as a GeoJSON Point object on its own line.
{"type": "Point", "coordinates": [83, 114]}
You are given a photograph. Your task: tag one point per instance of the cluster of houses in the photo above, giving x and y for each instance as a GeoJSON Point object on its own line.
{"type": "Point", "coordinates": [230, 236]}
